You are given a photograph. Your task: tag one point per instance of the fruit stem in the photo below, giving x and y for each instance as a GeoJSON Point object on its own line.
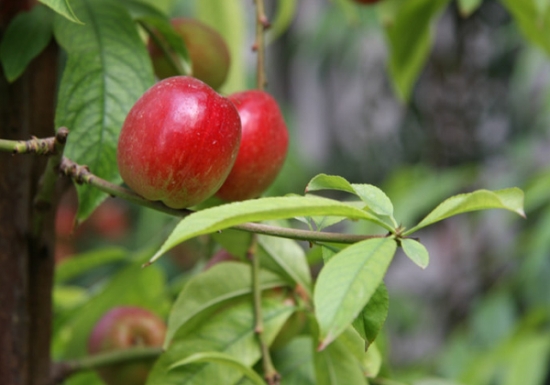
{"type": "Point", "coordinates": [259, 46]}
{"type": "Point", "coordinates": [270, 373]}
{"type": "Point", "coordinates": [64, 369]}
{"type": "Point", "coordinates": [81, 174]}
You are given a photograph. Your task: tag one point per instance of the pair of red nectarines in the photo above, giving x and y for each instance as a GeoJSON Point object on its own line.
{"type": "Point", "coordinates": [182, 142]}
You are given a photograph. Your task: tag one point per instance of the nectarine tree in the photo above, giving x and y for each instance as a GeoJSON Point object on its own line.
{"type": "Point", "coordinates": [179, 147]}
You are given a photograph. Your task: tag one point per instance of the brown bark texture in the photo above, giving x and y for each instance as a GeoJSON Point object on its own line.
{"type": "Point", "coordinates": [26, 259]}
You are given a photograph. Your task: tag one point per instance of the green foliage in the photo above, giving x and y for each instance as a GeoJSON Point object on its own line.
{"type": "Point", "coordinates": [509, 199]}
{"type": "Point", "coordinates": [295, 362]}
{"type": "Point", "coordinates": [262, 209]}
{"type": "Point", "coordinates": [533, 21]}
{"type": "Point", "coordinates": [410, 39]}
{"type": "Point", "coordinates": [416, 252]}
{"type": "Point", "coordinates": [26, 36]}
{"type": "Point", "coordinates": [346, 284]}
{"type": "Point", "coordinates": [107, 70]}
{"type": "Point", "coordinates": [209, 291]}
{"type": "Point", "coordinates": [338, 364]}
{"type": "Point", "coordinates": [211, 337]}
{"type": "Point", "coordinates": [86, 262]}
{"type": "Point", "coordinates": [231, 332]}
{"type": "Point", "coordinates": [221, 358]}
{"type": "Point", "coordinates": [63, 8]}
{"type": "Point", "coordinates": [375, 200]}
{"type": "Point", "coordinates": [371, 319]}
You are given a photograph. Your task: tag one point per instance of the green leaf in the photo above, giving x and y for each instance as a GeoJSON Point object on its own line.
{"type": "Point", "coordinates": [467, 7]}
{"type": "Point", "coordinates": [262, 209]}
{"type": "Point", "coordinates": [347, 283]}
{"type": "Point", "coordinates": [533, 21]}
{"type": "Point", "coordinates": [410, 40]}
{"type": "Point", "coordinates": [26, 36]}
{"type": "Point", "coordinates": [68, 297]}
{"type": "Point", "coordinates": [372, 362]}
{"type": "Point", "coordinates": [220, 358]}
{"type": "Point", "coordinates": [337, 365]}
{"type": "Point", "coordinates": [289, 260]}
{"type": "Point", "coordinates": [527, 363]}
{"type": "Point", "coordinates": [436, 381]}
{"type": "Point", "coordinates": [229, 19]}
{"type": "Point", "coordinates": [235, 242]}
{"type": "Point", "coordinates": [388, 9]}
{"type": "Point", "coordinates": [330, 250]}
{"type": "Point", "coordinates": [294, 362]}
{"type": "Point", "coordinates": [83, 263]}
{"type": "Point", "coordinates": [416, 252]}
{"type": "Point", "coordinates": [509, 199]}
{"type": "Point", "coordinates": [375, 199]}
{"type": "Point", "coordinates": [207, 292]}
{"type": "Point", "coordinates": [63, 8]}
{"type": "Point", "coordinates": [108, 69]}
{"type": "Point", "coordinates": [229, 331]}
{"type": "Point", "coordinates": [164, 6]}
{"type": "Point", "coordinates": [371, 319]}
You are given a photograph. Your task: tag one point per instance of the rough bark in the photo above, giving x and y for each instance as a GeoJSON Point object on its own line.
{"type": "Point", "coordinates": [26, 259]}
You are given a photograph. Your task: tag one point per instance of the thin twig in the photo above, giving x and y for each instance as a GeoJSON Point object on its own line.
{"type": "Point", "coordinates": [36, 146]}
{"type": "Point", "coordinates": [262, 23]}
{"type": "Point", "coordinates": [64, 369]}
{"type": "Point", "coordinates": [81, 174]}
{"type": "Point", "coordinates": [270, 373]}
{"type": "Point", "coordinates": [46, 187]}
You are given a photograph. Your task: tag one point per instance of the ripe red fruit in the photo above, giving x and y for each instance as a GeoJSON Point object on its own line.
{"type": "Point", "coordinates": [263, 149]}
{"type": "Point", "coordinates": [208, 52]}
{"type": "Point", "coordinates": [179, 142]}
{"type": "Point", "coordinates": [122, 328]}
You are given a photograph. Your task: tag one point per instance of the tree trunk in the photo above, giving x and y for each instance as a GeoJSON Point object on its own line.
{"type": "Point", "coordinates": [26, 259]}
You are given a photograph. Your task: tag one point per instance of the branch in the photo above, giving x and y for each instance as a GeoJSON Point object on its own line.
{"type": "Point", "coordinates": [270, 373]}
{"type": "Point", "coordinates": [261, 25]}
{"type": "Point", "coordinates": [37, 146]}
{"type": "Point", "coordinates": [64, 369]}
{"type": "Point", "coordinates": [46, 188]}
{"type": "Point", "coordinates": [82, 175]}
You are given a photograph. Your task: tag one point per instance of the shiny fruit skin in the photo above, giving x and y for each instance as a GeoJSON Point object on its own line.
{"type": "Point", "coordinates": [123, 328]}
{"type": "Point", "coordinates": [263, 149]}
{"type": "Point", "coordinates": [207, 49]}
{"type": "Point", "coordinates": [179, 142]}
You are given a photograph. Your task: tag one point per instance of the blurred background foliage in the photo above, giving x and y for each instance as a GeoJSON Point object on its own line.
{"type": "Point", "coordinates": [478, 116]}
